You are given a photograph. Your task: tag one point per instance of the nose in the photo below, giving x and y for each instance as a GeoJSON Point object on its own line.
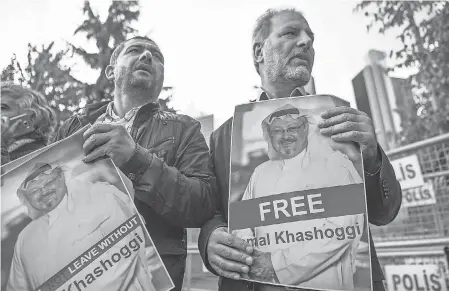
{"type": "Point", "coordinates": [146, 56]}
{"type": "Point", "coordinates": [304, 40]}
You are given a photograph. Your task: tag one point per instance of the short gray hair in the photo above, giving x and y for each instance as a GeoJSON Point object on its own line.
{"type": "Point", "coordinates": [261, 30]}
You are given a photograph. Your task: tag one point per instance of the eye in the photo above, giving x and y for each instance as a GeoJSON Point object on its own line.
{"type": "Point", "coordinates": [289, 33]}
{"type": "Point", "coordinates": [132, 50]}
{"type": "Point", "coordinates": [5, 107]}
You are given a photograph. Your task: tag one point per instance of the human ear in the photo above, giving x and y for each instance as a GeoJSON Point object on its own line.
{"type": "Point", "coordinates": [257, 52]}
{"type": "Point", "coordinates": [109, 72]}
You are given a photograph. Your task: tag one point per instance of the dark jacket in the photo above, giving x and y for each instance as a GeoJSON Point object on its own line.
{"type": "Point", "coordinates": [174, 187]}
{"type": "Point", "coordinates": [24, 150]}
{"type": "Point", "coordinates": [382, 190]}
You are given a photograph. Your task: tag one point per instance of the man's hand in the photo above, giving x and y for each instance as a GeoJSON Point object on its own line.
{"type": "Point", "coordinates": [345, 124]}
{"type": "Point", "coordinates": [262, 268]}
{"type": "Point", "coordinates": [108, 140]}
{"type": "Point", "coordinates": [228, 255]}
{"type": "Point", "coordinates": [8, 129]}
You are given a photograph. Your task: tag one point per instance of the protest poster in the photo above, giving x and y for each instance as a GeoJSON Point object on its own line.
{"type": "Point", "coordinates": [70, 225]}
{"type": "Point", "coordinates": [298, 197]}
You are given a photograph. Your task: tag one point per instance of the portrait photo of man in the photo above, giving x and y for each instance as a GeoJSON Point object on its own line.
{"type": "Point", "coordinates": [299, 159]}
{"type": "Point", "coordinates": [68, 217]}
{"type": "Point", "coordinates": [293, 153]}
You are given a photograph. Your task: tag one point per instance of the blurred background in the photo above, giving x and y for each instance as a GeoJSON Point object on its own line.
{"type": "Point", "coordinates": [388, 59]}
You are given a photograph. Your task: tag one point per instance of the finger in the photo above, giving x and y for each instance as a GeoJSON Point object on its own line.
{"type": "Point", "coordinates": [232, 254]}
{"type": "Point", "coordinates": [97, 153]}
{"type": "Point", "coordinates": [257, 253]}
{"type": "Point", "coordinates": [354, 136]}
{"type": "Point", "coordinates": [227, 274]}
{"type": "Point", "coordinates": [235, 242]}
{"type": "Point", "coordinates": [340, 110]}
{"type": "Point", "coordinates": [245, 276]}
{"type": "Point", "coordinates": [343, 117]}
{"type": "Point", "coordinates": [98, 128]}
{"type": "Point", "coordinates": [95, 140]}
{"type": "Point", "coordinates": [228, 265]}
{"type": "Point", "coordinates": [261, 273]}
{"type": "Point", "coordinates": [345, 127]}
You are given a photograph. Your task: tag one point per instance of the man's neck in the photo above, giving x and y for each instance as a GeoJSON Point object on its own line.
{"type": "Point", "coordinates": [279, 90]}
{"type": "Point", "coordinates": [124, 102]}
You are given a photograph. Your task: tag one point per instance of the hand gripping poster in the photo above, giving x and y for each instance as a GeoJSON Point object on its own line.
{"type": "Point", "coordinates": [72, 226]}
{"type": "Point", "coordinates": [298, 197]}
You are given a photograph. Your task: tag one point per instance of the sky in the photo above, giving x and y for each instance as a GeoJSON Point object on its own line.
{"type": "Point", "coordinates": [206, 44]}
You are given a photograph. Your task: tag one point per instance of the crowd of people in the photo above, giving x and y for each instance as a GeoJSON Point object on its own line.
{"type": "Point", "coordinates": [179, 181]}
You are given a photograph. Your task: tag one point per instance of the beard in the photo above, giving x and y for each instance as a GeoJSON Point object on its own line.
{"type": "Point", "coordinates": [280, 68]}
{"type": "Point", "coordinates": [130, 80]}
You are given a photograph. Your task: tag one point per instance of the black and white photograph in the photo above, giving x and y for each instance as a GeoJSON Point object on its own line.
{"type": "Point", "coordinates": [160, 81]}
{"type": "Point", "coordinates": [298, 197]}
{"type": "Point", "coordinates": [70, 225]}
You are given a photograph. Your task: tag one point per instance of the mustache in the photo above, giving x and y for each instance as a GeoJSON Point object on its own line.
{"type": "Point", "coordinates": [303, 55]}
{"type": "Point", "coordinates": [144, 66]}
{"type": "Point", "coordinates": [288, 139]}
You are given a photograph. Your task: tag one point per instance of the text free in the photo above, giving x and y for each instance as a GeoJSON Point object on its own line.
{"type": "Point", "coordinates": [291, 207]}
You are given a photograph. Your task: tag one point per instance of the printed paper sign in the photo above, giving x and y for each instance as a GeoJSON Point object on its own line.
{"type": "Point", "coordinates": [70, 225]}
{"type": "Point", "coordinates": [414, 278]}
{"type": "Point", "coordinates": [424, 195]}
{"type": "Point", "coordinates": [408, 172]}
{"type": "Point", "coordinates": [298, 197]}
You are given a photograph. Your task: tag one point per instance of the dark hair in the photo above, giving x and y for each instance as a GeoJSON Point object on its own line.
{"type": "Point", "coordinates": [118, 49]}
{"type": "Point", "coordinates": [44, 117]}
{"type": "Point", "coordinates": [262, 28]}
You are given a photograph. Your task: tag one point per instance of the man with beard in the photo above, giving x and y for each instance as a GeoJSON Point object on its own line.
{"type": "Point", "coordinates": [283, 55]}
{"type": "Point", "coordinates": [297, 161]}
{"type": "Point", "coordinates": [164, 154]}
{"type": "Point", "coordinates": [294, 153]}
{"type": "Point", "coordinates": [68, 218]}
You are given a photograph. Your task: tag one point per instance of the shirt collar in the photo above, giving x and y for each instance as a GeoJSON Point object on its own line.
{"type": "Point", "coordinates": [110, 113]}
{"type": "Point", "coordinates": [261, 95]}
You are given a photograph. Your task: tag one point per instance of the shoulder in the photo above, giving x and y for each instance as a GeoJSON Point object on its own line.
{"type": "Point", "coordinates": [87, 115]}
{"type": "Point", "coordinates": [91, 186]}
{"type": "Point", "coordinates": [262, 167]}
{"type": "Point", "coordinates": [30, 233]}
{"type": "Point", "coordinates": [179, 118]}
{"type": "Point", "coordinates": [340, 159]}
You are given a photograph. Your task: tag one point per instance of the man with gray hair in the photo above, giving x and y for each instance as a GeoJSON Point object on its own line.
{"type": "Point", "coordinates": [283, 55]}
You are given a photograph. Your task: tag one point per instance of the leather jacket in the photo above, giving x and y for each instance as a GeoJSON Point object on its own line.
{"type": "Point", "coordinates": [174, 186]}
